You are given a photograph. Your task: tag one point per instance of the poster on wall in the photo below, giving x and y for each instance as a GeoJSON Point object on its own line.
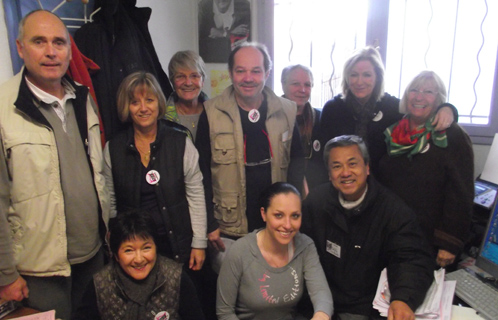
{"type": "Point", "coordinates": [223, 24]}
{"type": "Point", "coordinates": [220, 80]}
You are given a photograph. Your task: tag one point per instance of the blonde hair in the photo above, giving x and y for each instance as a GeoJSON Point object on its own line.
{"type": "Point", "coordinates": [419, 80]}
{"type": "Point", "coordinates": [371, 54]}
{"type": "Point", "coordinates": [140, 80]}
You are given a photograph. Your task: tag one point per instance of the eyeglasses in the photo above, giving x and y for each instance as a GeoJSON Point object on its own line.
{"type": "Point", "coordinates": [425, 93]}
{"type": "Point", "coordinates": [194, 77]}
{"type": "Point", "coordinates": [261, 162]}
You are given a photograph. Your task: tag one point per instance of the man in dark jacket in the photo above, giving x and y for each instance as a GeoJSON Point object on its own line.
{"type": "Point", "coordinates": [360, 228]}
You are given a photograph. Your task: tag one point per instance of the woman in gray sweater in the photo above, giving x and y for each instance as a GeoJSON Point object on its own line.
{"type": "Point", "coordinates": [265, 272]}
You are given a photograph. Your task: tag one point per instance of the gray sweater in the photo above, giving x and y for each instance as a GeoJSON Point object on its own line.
{"type": "Point", "coordinates": [249, 288]}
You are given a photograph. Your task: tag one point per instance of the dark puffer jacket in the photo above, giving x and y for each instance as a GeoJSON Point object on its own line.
{"type": "Point", "coordinates": [382, 232]}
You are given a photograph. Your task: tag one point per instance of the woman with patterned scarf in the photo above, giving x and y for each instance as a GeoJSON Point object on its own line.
{"type": "Point", "coordinates": [432, 171]}
{"type": "Point", "coordinates": [364, 109]}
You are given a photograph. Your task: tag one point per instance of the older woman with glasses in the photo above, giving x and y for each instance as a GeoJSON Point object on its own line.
{"type": "Point", "coordinates": [185, 106]}
{"type": "Point", "coordinates": [431, 170]}
{"type": "Point", "coordinates": [187, 73]}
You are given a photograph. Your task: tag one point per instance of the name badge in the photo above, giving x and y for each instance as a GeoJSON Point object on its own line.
{"type": "Point", "coordinates": [334, 249]}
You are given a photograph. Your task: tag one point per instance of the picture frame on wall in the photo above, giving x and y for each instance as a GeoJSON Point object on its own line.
{"type": "Point", "coordinates": [223, 24]}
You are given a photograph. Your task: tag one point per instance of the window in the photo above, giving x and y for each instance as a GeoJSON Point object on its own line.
{"type": "Point", "coordinates": [456, 39]}
{"type": "Point", "coordinates": [318, 34]}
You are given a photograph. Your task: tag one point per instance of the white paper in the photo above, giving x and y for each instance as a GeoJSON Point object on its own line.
{"type": "Point", "coordinates": [49, 315]}
{"type": "Point", "coordinates": [437, 302]}
{"type": "Point", "coordinates": [463, 313]}
{"type": "Point", "coordinates": [490, 171]}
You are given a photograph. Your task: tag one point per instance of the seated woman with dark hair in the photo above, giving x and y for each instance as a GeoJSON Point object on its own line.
{"type": "Point", "coordinates": [138, 283]}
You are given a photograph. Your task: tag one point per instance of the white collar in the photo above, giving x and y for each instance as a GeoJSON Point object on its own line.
{"type": "Point", "coordinates": [352, 204]}
{"type": "Point", "coordinates": [69, 93]}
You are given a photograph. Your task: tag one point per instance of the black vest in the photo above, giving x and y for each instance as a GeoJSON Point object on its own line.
{"type": "Point", "coordinates": [166, 157]}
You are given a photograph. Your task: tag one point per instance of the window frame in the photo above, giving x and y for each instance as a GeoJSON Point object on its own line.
{"type": "Point", "coordinates": [377, 33]}
{"type": "Point", "coordinates": [377, 30]}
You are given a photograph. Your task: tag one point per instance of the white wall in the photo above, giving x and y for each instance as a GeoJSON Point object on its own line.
{"type": "Point", "coordinates": [173, 27]}
{"type": "Point", "coordinates": [480, 155]}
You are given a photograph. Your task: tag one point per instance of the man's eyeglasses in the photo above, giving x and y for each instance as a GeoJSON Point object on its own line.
{"type": "Point", "coordinates": [261, 162]}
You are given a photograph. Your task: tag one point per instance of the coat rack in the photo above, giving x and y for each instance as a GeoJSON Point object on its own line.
{"type": "Point", "coordinates": [85, 18]}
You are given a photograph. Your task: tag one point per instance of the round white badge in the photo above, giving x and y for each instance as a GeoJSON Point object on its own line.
{"type": "Point", "coordinates": [162, 315]}
{"type": "Point", "coordinates": [426, 148]}
{"type": "Point", "coordinates": [152, 177]}
{"type": "Point", "coordinates": [378, 116]}
{"type": "Point", "coordinates": [254, 115]}
{"type": "Point", "coordinates": [316, 145]}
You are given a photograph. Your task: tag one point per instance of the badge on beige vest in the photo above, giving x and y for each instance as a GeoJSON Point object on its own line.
{"type": "Point", "coordinates": [254, 115]}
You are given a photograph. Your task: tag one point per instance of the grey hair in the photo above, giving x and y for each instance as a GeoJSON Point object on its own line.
{"type": "Point", "coordinates": [186, 59]}
{"type": "Point", "coordinates": [288, 70]}
{"type": "Point", "coordinates": [345, 141]}
{"type": "Point", "coordinates": [419, 80]}
{"type": "Point", "coordinates": [371, 54]}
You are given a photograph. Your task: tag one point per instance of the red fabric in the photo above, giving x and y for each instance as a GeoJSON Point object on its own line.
{"type": "Point", "coordinates": [79, 70]}
{"type": "Point", "coordinates": [403, 136]}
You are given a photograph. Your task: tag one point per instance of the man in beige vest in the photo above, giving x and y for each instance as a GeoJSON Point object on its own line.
{"type": "Point", "coordinates": [53, 203]}
{"type": "Point", "coordinates": [252, 142]}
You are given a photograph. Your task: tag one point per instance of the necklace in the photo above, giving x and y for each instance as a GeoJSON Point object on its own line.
{"type": "Point", "coordinates": [142, 143]}
{"type": "Point", "coordinates": [144, 154]}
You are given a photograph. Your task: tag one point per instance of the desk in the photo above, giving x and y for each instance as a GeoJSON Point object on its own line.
{"type": "Point", "coordinates": [464, 313]}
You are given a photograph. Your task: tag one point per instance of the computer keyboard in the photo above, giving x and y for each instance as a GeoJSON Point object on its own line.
{"type": "Point", "coordinates": [481, 296]}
